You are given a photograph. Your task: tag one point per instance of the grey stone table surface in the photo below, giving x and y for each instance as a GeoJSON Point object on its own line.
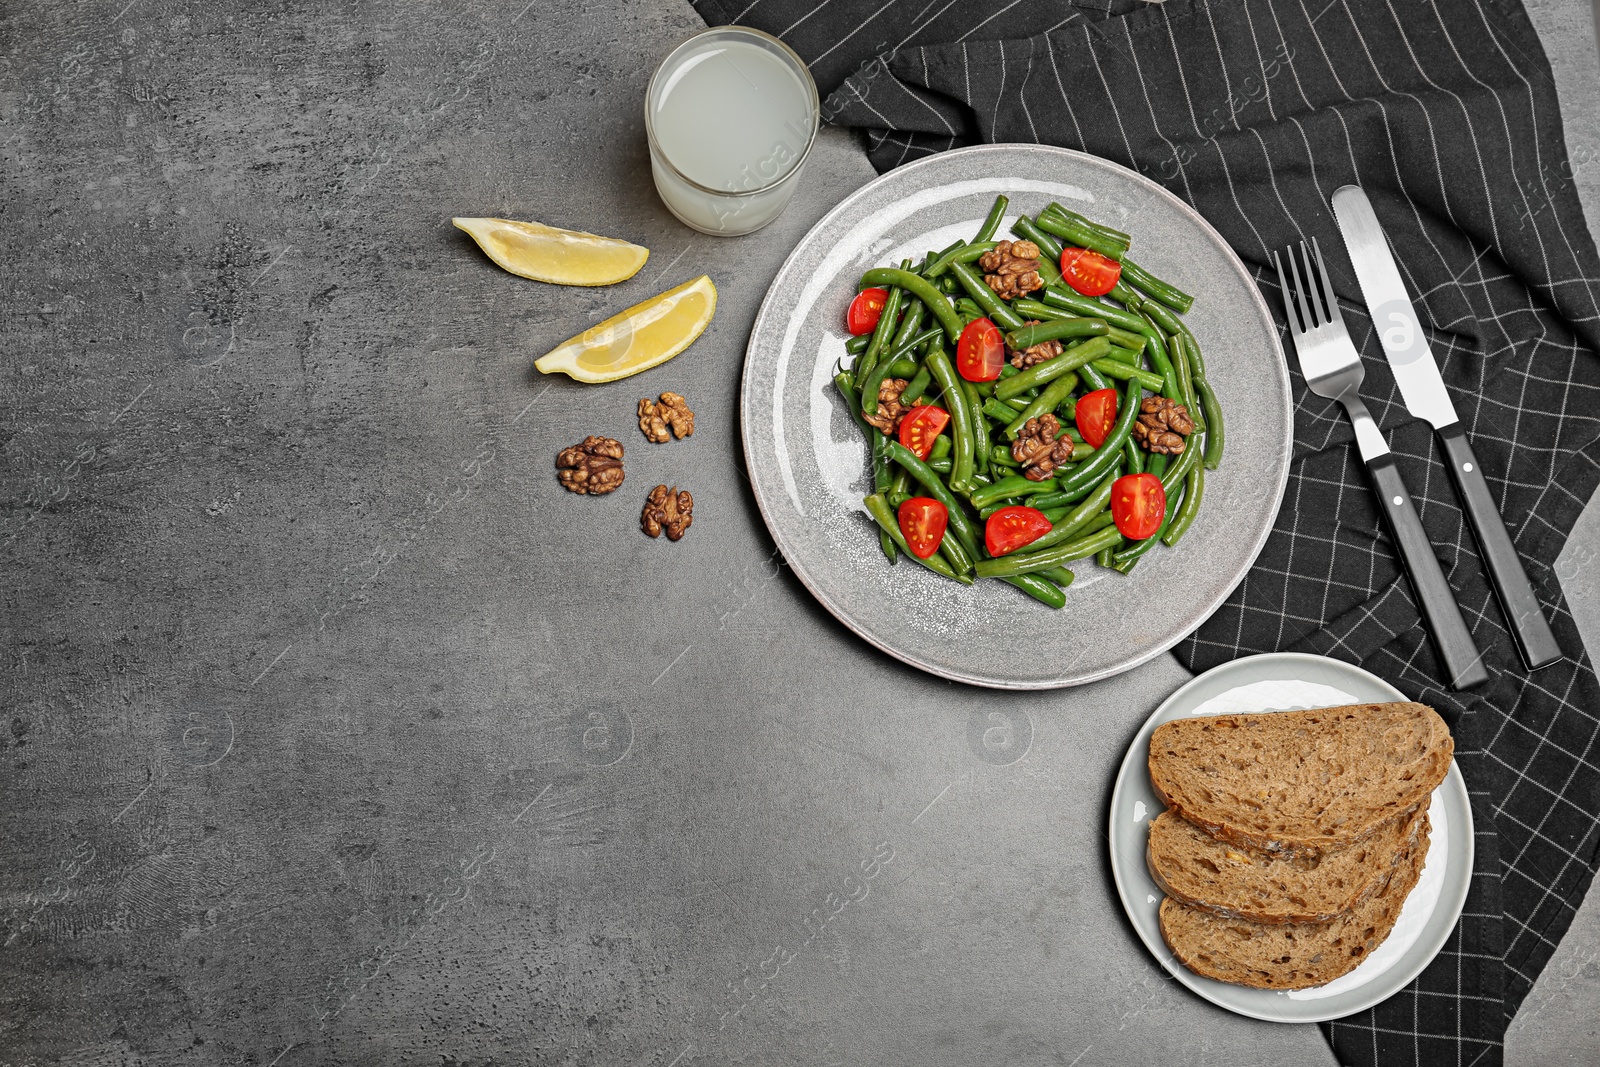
{"type": "Point", "coordinates": [335, 731]}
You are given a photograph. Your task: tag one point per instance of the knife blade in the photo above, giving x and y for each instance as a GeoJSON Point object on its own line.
{"type": "Point", "coordinates": [1416, 373]}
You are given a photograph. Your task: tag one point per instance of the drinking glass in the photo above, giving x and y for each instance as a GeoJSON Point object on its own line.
{"type": "Point", "coordinates": [731, 115]}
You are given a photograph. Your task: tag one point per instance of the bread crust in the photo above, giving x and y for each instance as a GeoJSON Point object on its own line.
{"type": "Point", "coordinates": [1232, 775]}
{"type": "Point", "coordinates": [1273, 888]}
{"type": "Point", "coordinates": [1289, 956]}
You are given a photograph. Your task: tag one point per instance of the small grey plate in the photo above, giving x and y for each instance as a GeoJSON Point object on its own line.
{"type": "Point", "coordinates": [1285, 681]}
{"type": "Point", "coordinates": [808, 461]}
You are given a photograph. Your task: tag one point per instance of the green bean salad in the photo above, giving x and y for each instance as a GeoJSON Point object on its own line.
{"type": "Point", "coordinates": [1029, 403]}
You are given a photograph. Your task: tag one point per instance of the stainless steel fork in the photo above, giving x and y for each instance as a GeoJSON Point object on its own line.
{"type": "Point", "coordinates": [1332, 368]}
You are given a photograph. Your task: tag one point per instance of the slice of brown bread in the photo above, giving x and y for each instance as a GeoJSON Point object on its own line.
{"type": "Point", "coordinates": [1288, 955]}
{"type": "Point", "coordinates": [1196, 869]}
{"type": "Point", "coordinates": [1300, 780]}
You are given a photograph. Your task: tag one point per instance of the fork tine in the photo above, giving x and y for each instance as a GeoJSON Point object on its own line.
{"type": "Point", "coordinates": [1295, 328]}
{"type": "Point", "coordinates": [1299, 289]}
{"type": "Point", "coordinates": [1313, 294]}
{"type": "Point", "coordinates": [1327, 286]}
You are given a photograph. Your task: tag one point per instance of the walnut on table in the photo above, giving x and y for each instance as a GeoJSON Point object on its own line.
{"type": "Point", "coordinates": [1162, 425]}
{"type": "Point", "coordinates": [1011, 269]}
{"type": "Point", "coordinates": [890, 410]}
{"type": "Point", "coordinates": [1041, 447]}
{"type": "Point", "coordinates": [593, 465]}
{"type": "Point", "coordinates": [1035, 354]}
{"type": "Point", "coordinates": [669, 510]}
{"type": "Point", "coordinates": [672, 412]}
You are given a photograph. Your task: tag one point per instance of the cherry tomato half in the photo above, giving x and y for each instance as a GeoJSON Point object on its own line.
{"type": "Point", "coordinates": [1096, 415]}
{"type": "Point", "coordinates": [981, 351]}
{"type": "Point", "coordinates": [1088, 271]}
{"type": "Point", "coordinates": [1138, 504]}
{"type": "Point", "coordinates": [922, 521]}
{"type": "Point", "coordinates": [865, 310]}
{"type": "Point", "coordinates": [920, 426]}
{"type": "Point", "coordinates": [1010, 528]}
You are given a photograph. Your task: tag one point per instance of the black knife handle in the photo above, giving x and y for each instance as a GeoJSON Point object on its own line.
{"type": "Point", "coordinates": [1462, 662]}
{"type": "Point", "coordinates": [1517, 600]}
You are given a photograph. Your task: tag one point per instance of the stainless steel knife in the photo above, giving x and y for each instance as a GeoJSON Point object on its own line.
{"type": "Point", "coordinates": [1417, 374]}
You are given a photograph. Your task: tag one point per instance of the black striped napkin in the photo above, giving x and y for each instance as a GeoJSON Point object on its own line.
{"type": "Point", "coordinates": [1254, 113]}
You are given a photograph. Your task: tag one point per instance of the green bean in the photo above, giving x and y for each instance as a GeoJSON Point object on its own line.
{"type": "Point", "coordinates": [909, 324]}
{"type": "Point", "coordinates": [858, 344]}
{"type": "Point", "coordinates": [999, 410]}
{"type": "Point", "coordinates": [1026, 229]}
{"type": "Point", "coordinates": [922, 290]}
{"type": "Point", "coordinates": [937, 489]}
{"type": "Point", "coordinates": [1194, 489]}
{"type": "Point", "coordinates": [1128, 356]}
{"type": "Point", "coordinates": [873, 363]}
{"type": "Point", "coordinates": [933, 257]}
{"type": "Point", "coordinates": [919, 382]}
{"type": "Point", "coordinates": [1060, 575]}
{"type": "Point", "coordinates": [962, 444]}
{"type": "Point", "coordinates": [1130, 339]}
{"type": "Point", "coordinates": [940, 465]}
{"type": "Point", "coordinates": [964, 254]}
{"type": "Point", "coordinates": [992, 223]}
{"type": "Point", "coordinates": [985, 297]}
{"type": "Point", "coordinates": [1040, 588]}
{"type": "Point", "coordinates": [1034, 309]}
{"type": "Point", "coordinates": [908, 350]}
{"type": "Point", "coordinates": [1053, 514]}
{"type": "Point", "coordinates": [902, 368]}
{"type": "Point", "coordinates": [1161, 363]}
{"type": "Point", "coordinates": [1051, 369]}
{"type": "Point", "coordinates": [1078, 304]}
{"type": "Point", "coordinates": [1135, 456]}
{"type": "Point", "coordinates": [899, 486]}
{"type": "Point", "coordinates": [1077, 521]}
{"type": "Point", "coordinates": [1115, 368]}
{"type": "Point", "coordinates": [1011, 485]}
{"type": "Point", "coordinates": [968, 308]}
{"type": "Point", "coordinates": [955, 553]}
{"type": "Point", "coordinates": [1103, 557]}
{"type": "Point", "coordinates": [1093, 378]}
{"type": "Point", "coordinates": [1054, 393]}
{"type": "Point", "coordinates": [1034, 562]}
{"type": "Point", "coordinates": [947, 285]}
{"type": "Point", "coordinates": [1055, 208]}
{"type": "Point", "coordinates": [1081, 236]}
{"type": "Point", "coordinates": [1048, 501]}
{"type": "Point", "coordinates": [980, 428]}
{"type": "Point", "coordinates": [891, 551]}
{"type": "Point", "coordinates": [1000, 455]}
{"type": "Point", "coordinates": [1208, 403]}
{"type": "Point", "coordinates": [1129, 298]}
{"type": "Point", "coordinates": [881, 513]}
{"type": "Point", "coordinates": [876, 442]}
{"type": "Point", "coordinates": [888, 320]}
{"type": "Point", "coordinates": [1180, 364]}
{"type": "Point", "coordinates": [1058, 330]}
{"type": "Point", "coordinates": [1094, 468]}
{"type": "Point", "coordinates": [1145, 282]}
{"type": "Point", "coordinates": [941, 446]}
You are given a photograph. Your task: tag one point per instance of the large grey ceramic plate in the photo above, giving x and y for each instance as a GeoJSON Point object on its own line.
{"type": "Point", "coordinates": [808, 461]}
{"type": "Point", "coordinates": [1285, 681]}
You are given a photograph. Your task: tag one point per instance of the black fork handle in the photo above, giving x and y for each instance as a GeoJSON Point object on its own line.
{"type": "Point", "coordinates": [1463, 664]}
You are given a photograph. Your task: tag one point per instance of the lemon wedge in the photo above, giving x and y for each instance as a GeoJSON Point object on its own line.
{"type": "Point", "coordinates": [644, 336]}
{"type": "Point", "coordinates": [562, 257]}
